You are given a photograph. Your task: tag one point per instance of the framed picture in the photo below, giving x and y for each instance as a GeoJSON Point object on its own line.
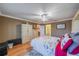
{"type": "Point", "coordinates": [61, 26]}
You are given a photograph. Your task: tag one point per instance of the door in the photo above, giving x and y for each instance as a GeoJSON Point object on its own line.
{"type": "Point", "coordinates": [48, 29]}
{"type": "Point", "coordinates": [42, 30]}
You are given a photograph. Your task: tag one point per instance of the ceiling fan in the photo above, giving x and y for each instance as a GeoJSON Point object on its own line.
{"type": "Point", "coordinates": [43, 16]}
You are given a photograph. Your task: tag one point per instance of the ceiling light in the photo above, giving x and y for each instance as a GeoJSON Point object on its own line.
{"type": "Point", "coordinates": [44, 17]}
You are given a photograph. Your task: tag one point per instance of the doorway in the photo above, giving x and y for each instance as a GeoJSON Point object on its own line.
{"type": "Point", "coordinates": [48, 29]}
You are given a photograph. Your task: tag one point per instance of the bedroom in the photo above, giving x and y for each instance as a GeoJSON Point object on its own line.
{"type": "Point", "coordinates": [35, 29]}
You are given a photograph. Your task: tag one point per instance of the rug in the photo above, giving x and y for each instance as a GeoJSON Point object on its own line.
{"type": "Point", "coordinates": [33, 53]}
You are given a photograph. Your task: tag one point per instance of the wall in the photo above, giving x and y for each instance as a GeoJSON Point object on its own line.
{"type": "Point", "coordinates": [8, 28]}
{"type": "Point", "coordinates": [75, 24]}
{"type": "Point", "coordinates": [77, 17]}
{"type": "Point", "coordinates": [1, 31]}
{"type": "Point", "coordinates": [58, 32]}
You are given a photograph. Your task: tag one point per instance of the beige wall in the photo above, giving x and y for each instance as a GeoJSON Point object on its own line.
{"type": "Point", "coordinates": [8, 28]}
{"type": "Point", "coordinates": [58, 32]}
{"type": "Point", "coordinates": [77, 18]}
{"type": "Point", "coordinates": [75, 24]}
{"type": "Point", "coordinates": [1, 32]}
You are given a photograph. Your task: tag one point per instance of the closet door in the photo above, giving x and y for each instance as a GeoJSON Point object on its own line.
{"type": "Point", "coordinates": [30, 30]}
{"type": "Point", "coordinates": [24, 33]}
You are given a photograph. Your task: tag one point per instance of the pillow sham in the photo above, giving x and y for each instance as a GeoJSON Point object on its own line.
{"type": "Point", "coordinates": [75, 51]}
{"type": "Point", "coordinates": [72, 47]}
{"type": "Point", "coordinates": [75, 37]}
{"type": "Point", "coordinates": [66, 42]}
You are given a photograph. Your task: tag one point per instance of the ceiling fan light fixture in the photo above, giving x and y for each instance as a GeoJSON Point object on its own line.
{"type": "Point", "coordinates": [44, 17]}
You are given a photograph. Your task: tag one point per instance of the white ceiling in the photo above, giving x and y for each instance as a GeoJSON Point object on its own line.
{"type": "Point", "coordinates": [33, 11]}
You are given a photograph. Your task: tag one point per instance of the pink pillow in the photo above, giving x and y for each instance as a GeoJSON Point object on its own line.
{"type": "Point", "coordinates": [59, 51]}
{"type": "Point", "coordinates": [75, 51]}
{"type": "Point", "coordinates": [66, 42]}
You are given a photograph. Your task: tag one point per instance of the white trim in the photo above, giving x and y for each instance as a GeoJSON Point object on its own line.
{"type": "Point", "coordinates": [34, 21]}
{"type": "Point", "coordinates": [58, 21]}
{"type": "Point", "coordinates": [76, 15]}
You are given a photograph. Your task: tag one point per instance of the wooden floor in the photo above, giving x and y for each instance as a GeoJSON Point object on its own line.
{"type": "Point", "coordinates": [19, 50]}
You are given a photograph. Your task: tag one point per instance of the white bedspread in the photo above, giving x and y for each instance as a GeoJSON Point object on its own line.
{"type": "Point", "coordinates": [45, 45]}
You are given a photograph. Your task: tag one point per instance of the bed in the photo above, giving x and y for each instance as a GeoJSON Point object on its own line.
{"type": "Point", "coordinates": [68, 45]}
{"type": "Point", "coordinates": [45, 45]}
